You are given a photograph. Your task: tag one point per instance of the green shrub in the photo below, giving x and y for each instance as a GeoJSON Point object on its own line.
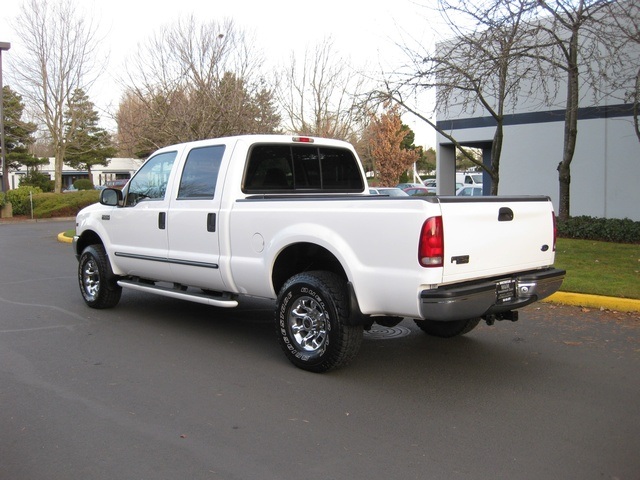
{"type": "Point", "coordinates": [2, 201]}
{"type": "Point", "coordinates": [48, 205]}
{"type": "Point", "coordinates": [602, 229]}
{"type": "Point", "coordinates": [19, 198]}
{"type": "Point", "coordinates": [83, 184]}
{"type": "Point", "coordinates": [37, 179]}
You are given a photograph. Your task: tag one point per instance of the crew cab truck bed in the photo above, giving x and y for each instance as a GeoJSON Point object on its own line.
{"type": "Point", "coordinates": [289, 218]}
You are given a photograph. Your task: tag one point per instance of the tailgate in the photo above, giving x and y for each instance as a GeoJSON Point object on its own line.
{"type": "Point", "coordinates": [490, 236]}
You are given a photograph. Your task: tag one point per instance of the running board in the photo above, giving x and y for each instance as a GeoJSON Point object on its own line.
{"type": "Point", "coordinates": [219, 300]}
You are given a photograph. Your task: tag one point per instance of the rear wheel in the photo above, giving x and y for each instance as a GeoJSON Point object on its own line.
{"type": "Point", "coordinates": [311, 314]}
{"type": "Point", "coordinates": [447, 329]}
{"type": "Point", "coordinates": [96, 279]}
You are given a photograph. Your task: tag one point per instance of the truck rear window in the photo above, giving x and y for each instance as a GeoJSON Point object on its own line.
{"type": "Point", "coordinates": [287, 168]}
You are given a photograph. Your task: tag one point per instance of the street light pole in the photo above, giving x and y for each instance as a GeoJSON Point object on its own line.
{"type": "Point", "coordinates": [4, 46]}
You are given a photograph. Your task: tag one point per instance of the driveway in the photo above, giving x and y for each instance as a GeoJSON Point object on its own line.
{"type": "Point", "coordinates": [162, 389]}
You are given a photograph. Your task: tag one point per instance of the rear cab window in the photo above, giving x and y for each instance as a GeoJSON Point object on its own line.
{"type": "Point", "coordinates": [286, 168]}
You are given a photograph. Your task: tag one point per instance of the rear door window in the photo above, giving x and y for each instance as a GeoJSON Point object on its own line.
{"type": "Point", "coordinates": [200, 173]}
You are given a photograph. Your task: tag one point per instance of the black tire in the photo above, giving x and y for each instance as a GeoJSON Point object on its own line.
{"type": "Point", "coordinates": [96, 279]}
{"type": "Point", "coordinates": [447, 329]}
{"type": "Point", "coordinates": [311, 311]}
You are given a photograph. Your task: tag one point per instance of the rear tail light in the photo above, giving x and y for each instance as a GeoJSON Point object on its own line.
{"type": "Point", "coordinates": [431, 245]}
{"type": "Point", "coordinates": [555, 230]}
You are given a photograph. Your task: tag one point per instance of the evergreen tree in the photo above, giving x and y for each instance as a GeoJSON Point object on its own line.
{"type": "Point", "coordinates": [18, 135]}
{"type": "Point", "coordinates": [88, 144]}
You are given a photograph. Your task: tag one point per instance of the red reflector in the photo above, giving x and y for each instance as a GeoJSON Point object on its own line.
{"type": "Point", "coordinates": [555, 230]}
{"type": "Point", "coordinates": [303, 139]}
{"type": "Point", "coordinates": [431, 246]}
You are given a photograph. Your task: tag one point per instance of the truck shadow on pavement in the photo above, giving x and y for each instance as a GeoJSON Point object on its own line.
{"type": "Point", "coordinates": [247, 334]}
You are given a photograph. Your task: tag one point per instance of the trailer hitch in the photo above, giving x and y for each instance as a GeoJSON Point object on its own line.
{"type": "Point", "coordinates": [491, 318]}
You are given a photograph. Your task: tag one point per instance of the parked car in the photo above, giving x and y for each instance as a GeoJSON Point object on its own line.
{"type": "Point", "coordinates": [469, 191]}
{"type": "Point", "coordinates": [432, 184]}
{"type": "Point", "coordinates": [413, 191]}
{"type": "Point", "coordinates": [390, 191]}
{"type": "Point", "coordinates": [403, 186]}
{"type": "Point", "coordinates": [119, 183]}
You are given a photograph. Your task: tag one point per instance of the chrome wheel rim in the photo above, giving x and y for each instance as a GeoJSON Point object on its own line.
{"type": "Point", "coordinates": [308, 324]}
{"type": "Point", "coordinates": [91, 279]}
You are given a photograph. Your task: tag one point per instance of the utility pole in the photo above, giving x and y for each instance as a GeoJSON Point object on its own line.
{"type": "Point", "coordinates": [4, 46]}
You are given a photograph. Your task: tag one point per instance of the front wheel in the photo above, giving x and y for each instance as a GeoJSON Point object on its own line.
{"type": "Point", "coordinates": [96, 279]}
{"type": "Point", "coordinates": [311, 314]}
{"type": "Point", "coordinates": [447, 329]}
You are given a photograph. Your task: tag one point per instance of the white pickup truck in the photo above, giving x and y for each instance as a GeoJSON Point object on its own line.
{"type": "Point", "coordinates": [290, 219]}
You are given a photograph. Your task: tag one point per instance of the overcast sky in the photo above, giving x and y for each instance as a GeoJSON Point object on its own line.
{"type": "Point", "coordinates": [366, 31]}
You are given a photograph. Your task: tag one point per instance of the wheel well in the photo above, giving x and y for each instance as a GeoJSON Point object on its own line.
{"type": "Point", "coordinates": [87, 238]}
{"type": "Point", "coordinates": [302, 257]}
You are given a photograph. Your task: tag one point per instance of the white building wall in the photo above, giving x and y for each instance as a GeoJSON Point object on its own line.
{"type": "Point", "coordinates": [622, 170]}
{"type": "Point", "coordinates": [117, 168]}
{"type": "Point", "coordinates": [605, 170]}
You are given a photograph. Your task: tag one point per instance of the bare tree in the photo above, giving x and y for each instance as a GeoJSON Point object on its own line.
{"type": "Point", "coordinates": [480, 69]}
{"type": "Point", "coordinates": [60, 49]}
{"type": "Point", "coordinates": [574, 43]}
{"type": "Point", "coordinates": [320, 96]}
{"type": "Point", "coordinates": [625, 18]}
{"type": "Point", "coordinates": [194, 80]}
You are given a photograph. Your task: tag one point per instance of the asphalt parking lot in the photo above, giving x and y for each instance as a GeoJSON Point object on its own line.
{"type": "Point", "coordinates": [159, 388]}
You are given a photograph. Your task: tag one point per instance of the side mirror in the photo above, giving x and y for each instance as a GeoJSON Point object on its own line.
{"type": "Point", "coordinates": [111, 197]}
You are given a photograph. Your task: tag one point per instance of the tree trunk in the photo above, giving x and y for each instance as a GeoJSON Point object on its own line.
{"type": "Point", "coordinates": [57, 187]}
{"type": "Point", "coordinates": [570, 130]}
{"type": "Point", "coordinates": [636, 106]}
{"type": "Point", "coordinates": [496, 153]}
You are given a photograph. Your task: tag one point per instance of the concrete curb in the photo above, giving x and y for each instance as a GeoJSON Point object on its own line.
{"type": "Point", "coordinates": [64, 239]}
{"type": "Point", "coordinates": [595, 301]}
{"type": "Point", "coordinates": [14, 220]}
{"type": "Point", "coordinates": [565, 298]}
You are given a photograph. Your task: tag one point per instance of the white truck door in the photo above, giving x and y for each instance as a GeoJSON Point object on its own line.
{"type": "Point", "coordinates": [137, 230]}
{"type": "Point", "coordinates": [192, 222]}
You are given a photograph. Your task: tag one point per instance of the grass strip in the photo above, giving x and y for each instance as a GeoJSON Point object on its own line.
{"type": "Point", "coordinates": [599, 268]}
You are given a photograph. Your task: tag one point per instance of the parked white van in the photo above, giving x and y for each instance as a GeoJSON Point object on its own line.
{"type": "Point", "coordinates": [469, 178]}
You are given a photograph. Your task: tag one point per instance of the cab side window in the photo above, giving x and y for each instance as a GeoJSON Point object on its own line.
{"type": "Point", "coordinates": [200, 173]}
{"type": "Point", "coordinates": [150, 182]}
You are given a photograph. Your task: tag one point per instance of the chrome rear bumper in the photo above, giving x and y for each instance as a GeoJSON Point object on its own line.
{"type": "Point", "coordinates": [492, 296]}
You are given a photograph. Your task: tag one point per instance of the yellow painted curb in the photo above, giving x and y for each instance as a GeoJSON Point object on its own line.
{"type": "Point", "coordinates": [64, 239]}
{"type": "Point", "coordinates": [595, 301]}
